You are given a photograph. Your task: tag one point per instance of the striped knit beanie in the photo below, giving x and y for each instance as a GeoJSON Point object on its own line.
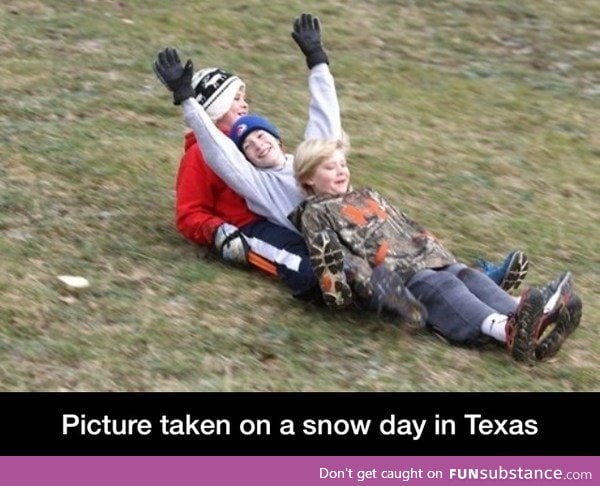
{"type": "Point", "coordinates": [215, 90]}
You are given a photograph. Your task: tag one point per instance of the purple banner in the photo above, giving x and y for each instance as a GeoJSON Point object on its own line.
{"type": "Point", "coordinates": [296, 471]}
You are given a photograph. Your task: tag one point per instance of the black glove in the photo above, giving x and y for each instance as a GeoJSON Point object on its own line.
{"type": "Point", "coordinates": [307, 34]}
{"type": "Point", "coordinates": [389, 293]}
{"type": "Point", "coordinates": [177, 78]}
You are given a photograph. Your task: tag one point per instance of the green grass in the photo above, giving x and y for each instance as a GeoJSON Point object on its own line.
{"type": "Point", "coordinates": [479, 119]}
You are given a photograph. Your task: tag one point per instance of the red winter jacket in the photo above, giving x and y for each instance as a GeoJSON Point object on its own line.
{"type": "Point", "coordinates": [204, 201]}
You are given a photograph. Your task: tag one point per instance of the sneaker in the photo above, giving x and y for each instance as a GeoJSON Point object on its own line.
{"type": "Point", "coordinates": [389, 293]}
{"type": "Point", "coordinates": [554, 290]}
{"type": "Point", "coordinates": [327, 259]}
{"type": "Point", "coordinates": [521, 326]}
{"type": "Point", "coordinates": [510, 273]}
{"type": "Point", "coordinates": [557, 325]}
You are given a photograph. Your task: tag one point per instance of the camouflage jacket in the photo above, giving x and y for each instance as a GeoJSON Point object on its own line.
{"type": "Point", "coordinates": [372, 233]}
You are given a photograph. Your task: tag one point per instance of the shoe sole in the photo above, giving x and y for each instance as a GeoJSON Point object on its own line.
{"type": "Point", "coordinates": [564, 287]}
{"type": "Point", "coordinates": [517, 271]}
{"type": "Point", "coordinates": [327, 260]}
{"type": "Point", "coordinates": [567, 321]}
{"type": "Point", "coordinates": [523, 343]}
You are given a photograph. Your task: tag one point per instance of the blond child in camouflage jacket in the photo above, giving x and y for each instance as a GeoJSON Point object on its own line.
{"type": "Point", "coordinates": [380, 244]}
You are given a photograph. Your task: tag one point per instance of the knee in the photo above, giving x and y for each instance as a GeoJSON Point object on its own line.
{"type": "Point", "coordinates": [456, 268]}
{"type": "Point", "coordinates": [467, 272]}
{"type": "Point", "coordinates": [440, 292]}
{"type": "Point", "coordinates": [428, 282]}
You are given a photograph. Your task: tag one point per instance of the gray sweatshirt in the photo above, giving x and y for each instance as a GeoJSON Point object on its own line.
{"type": "Point", "coordinates": [272, 193]}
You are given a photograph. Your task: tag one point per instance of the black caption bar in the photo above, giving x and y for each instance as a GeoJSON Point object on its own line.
{"type": "Point", "coordinates": [289, 424]}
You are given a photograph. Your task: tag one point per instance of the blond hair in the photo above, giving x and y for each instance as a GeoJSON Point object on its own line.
{"type": "Point", "coordinates": [311, 153]}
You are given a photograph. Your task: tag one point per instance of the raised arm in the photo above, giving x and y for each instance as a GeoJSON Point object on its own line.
{"type": "Point", "coordinates": [225, 159]}
{"type": "Point", "coordinates": [324, 119]}
{"type": "Point", "coordinates": [220, 153]}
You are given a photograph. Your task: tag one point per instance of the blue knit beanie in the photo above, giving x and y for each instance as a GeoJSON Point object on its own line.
{"type": "Point", "coordinates": [247, 124]}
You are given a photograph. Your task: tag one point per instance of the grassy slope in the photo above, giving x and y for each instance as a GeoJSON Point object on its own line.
{"type": "Point", "coordinates": [480, 119]}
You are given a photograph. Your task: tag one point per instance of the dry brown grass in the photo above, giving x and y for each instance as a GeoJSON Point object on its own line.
{"type": "Point", "coordinates": [480, 120]}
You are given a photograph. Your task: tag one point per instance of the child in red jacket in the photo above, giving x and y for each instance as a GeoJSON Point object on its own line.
{"type": "Point", "coordinates": [210, 213]}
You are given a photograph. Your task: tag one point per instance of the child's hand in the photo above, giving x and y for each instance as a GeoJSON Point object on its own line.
{"type": "Point", "coordinates": [177, 78]}
{"type": "Point", "coordinates": [307, 34]}
{"type": "Point", "coordinates": [231, 244]}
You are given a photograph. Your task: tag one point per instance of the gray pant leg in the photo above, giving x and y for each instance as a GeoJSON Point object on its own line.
{"type": "Point", "coordinates": [454, 311]}
{"type": "Point", "coordinates": [484, 288]}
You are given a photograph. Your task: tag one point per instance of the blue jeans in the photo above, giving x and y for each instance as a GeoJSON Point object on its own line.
{"type": "Point", "coordinates": [458, 298]}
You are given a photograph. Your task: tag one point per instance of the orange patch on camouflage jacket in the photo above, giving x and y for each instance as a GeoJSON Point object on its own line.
{"type": "Point", "coordinates": [361, 215]}
{"type": "Point", "coordinates": [381, 253]}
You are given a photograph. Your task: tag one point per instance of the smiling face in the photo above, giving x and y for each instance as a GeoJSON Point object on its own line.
{"type": "Point", "coordinates": [331, 176]}
{"type": "Point", "coordinates": [239, 108]}
{"type": "Point", "coordinates": [263, 150]}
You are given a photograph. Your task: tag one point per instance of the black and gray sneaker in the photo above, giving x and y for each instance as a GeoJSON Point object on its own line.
{"type": "Point", "coordinates": [327, 260]}
{"type": "Point", "coordinates": [557, 325]}
{"type": "Point", "coordinates": [554, 290]}
{"type": "Point", "coordinates": [521, 326]}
